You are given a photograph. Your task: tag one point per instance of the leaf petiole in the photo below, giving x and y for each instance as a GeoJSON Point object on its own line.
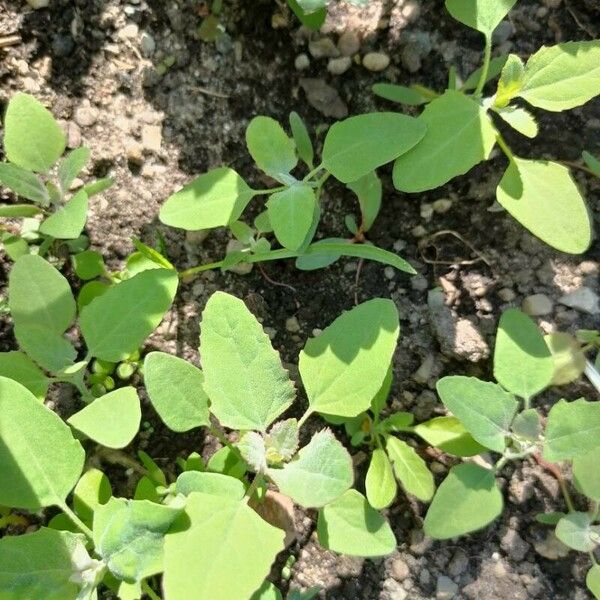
{"type": "Point", "coordinates": [487, 57]}
{"type": "Point", "coordinates": [148, 590]}
{"type": "Point", "coordinates": [76, 520]}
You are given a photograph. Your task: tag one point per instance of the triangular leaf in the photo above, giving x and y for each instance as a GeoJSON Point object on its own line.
{"type": "Point", "coordinates": [482, 15]}
{"type": "Point", "coordinates": [68, 221]}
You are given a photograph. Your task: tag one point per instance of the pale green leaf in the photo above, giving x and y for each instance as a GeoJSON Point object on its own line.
{"type": "Point", "coordinates": [70, 166]}
{"type": "Point", "coordinates": [410, 469]}
{"type": "Point", "coordinates": [116, 323]}
{"type": "Point", "coordinates": [18, 210]}
{"type": "Point", "coordinates": [214, 484]}
{"type": "Point", "coordinates": [350, 526]}
{"type": "Point", "coordinates": [592, 581]}
{"type": "Point", "coordinates": [459, 135]}
{"type": "Point", "coordinates": [496, 65]}
{"type": "Point", "coordinates": [233, 341]}
{"type": "Point", "coordinates": [32, 138]}
{"type": "Point", "coordinates": [527, 425]}
{"type": "Point", "coordinates": [40, 461]}
{"type": "Point", "coordinates": [511, 81]}
{"type": "Point", "coordinates": [24, 183]}
{"type": "Point", "coordinates": [344, 367]}
{"type": "Point", "coordinates": [18, 366]}
{"type": "Point", "coordinates": [47, 348]}
{"type": "Point", "coordinates": [449, 435]}
{"type": "Point", "coordinates": [572, 429]}
{"type": "Point", "coordinates": [311, 19]}
{"type": "Point", "coordinates": [523, 364]}
{"type": "Point", "coordinates": [320, 473]}
{"type": "Point", "coordinates": [291, 213]}
{"type": "Point", "coordinates": [213, 199]}
{"type": "Point", "coordinates": [484, 408]}
{"type": "Point", "coordinates": [320, 260]}
{"type": "Point", "coordinates": [380, 484]}
{"type": "Point", "coordinates": [270, 147]}
{"type": "Point", "coordinates": [563, 76]}
{"type": "Point", "coordinates": [576, 531]}
{"type": "Point", "coordinates": [231, 546]}
{"type": "Point", "coordinates": [46, 565]}
{"type": "Point", "coordinates": [482, 15]}
{"type": "Point", "coordinates": [68, 221]}
{"type": "Point", "coordinates": [379, 400]}
{"type": "Point", "coordinates": [92, 490]}
{"type": "Point", "coordinates": [519, 119]}
{"type": "Point", "coordinates": [543, 197]}
{"type": "Point", "coordinates": [467, 500]}
{"type": "Point", "coordinates": [302, 140]}
{"type": "Point", "coordinates": [252, 448]}
{"type": "Point", "coordinates": [368, 189]}
{"type": "Point", "coordinates": [568, 359]}
{"type": "Point", "coordinates": [281, 442]}
{"type": "Point", "coordinates": [129, 536]}
{"type": "Point", "coordinates": [399, 93]}
{"type": "Point", "coordinates": [146, 490]}
{"type": "Point", "coordinates": [98, 186]}
{"type": "Point", "coordinates": [97, 420]}
{"type": "Point", "coordinates": [88, 264]}
{"type": "Point", "coordinates": [175, 388]}
{"type": "Point", "coordinates": [356, 146]}
{"type": "Point", "coordinates": [397, 422]}
{"type": "Point", "coordinates": [586, 474]}
{"type": "Point", "coordinates": [227, 462]}
{"type": "Point", "coordinates": [38, 295]}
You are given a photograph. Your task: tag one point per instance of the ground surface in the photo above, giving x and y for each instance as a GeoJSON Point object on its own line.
{"type": "Point", "coordinates": [133, 81]}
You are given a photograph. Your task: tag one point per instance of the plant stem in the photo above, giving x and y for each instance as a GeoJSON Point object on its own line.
{"type": "Point", "coordinates": [270, 190]}
{"type": "Point", "coordinates": [505, 147]}
{"type": "Point", "coordinates": [313, 172]}
{"type": "Point", "coordinates": [305, 416]}
{"type": "Point", "coordinates": [223, 439]}
{"type": "Point", "coordinates": [76, 520]}
{"type": "Point", "coordinates": [487, 56]}
{"type": "Point", "coordinates": [551, 468]}
{"type": "Point", "coordinates": [253, 487]}
{"type": "Point", "coordinates": [148, 590]}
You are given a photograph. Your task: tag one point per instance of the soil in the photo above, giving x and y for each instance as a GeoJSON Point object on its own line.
{"type": "Point", "coordinates": [99, 65]}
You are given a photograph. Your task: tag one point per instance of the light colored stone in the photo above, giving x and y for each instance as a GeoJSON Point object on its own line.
{"type": "Point", "coordinates": [551, 547]}
{"type": "Point", "coordinates": [85, 115]}
{"type": "Point", "coordinates": [323, 48]}
{"type": "Point", "coordinates": [133, 152]}
{"type": "Point", "coordinates": [446, 588]}
{"type": "Point", "coordinates": [302, 62]}
{"type": "Point", "coordinates": [338, 66]}
{"type": "Point", "coordinates": [349, 43]}
{"type": "Point", "coordinates": [582, 299]}
{"type": "Point", "coordinates": [35, 4]}
{"type": "Point", "coordinates": [442, 205]}
{"type": "Point", "coordinates": [292, 325]}
{"type": "Point", "coordinates": [400, 570]}
{"type": "Point", "coordinates": [197, 237]}
{"type": "Point", "coordinates": [376, 61]}
{"type": "Point", "coordinates": [537, 305]}
{"type": "Point", "coordinates": [147, 44]}
{"type": "Point", "coordinates": [128, 32]}
{"type": "Point", "coordinates": [152, 137]}
{"type": "Point", "coordinates": [506, 295]}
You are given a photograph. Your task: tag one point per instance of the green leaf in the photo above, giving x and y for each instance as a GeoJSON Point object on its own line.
{"type": "Point", "coordinates": [356, 146]}
{"type": "Point", "coordinates": [48, 349]}
{"type": "Point", "coordinates": [586, 475]}
{"type": "Point", "coordinates": [563, 76]}
{"type": "Point", "coordinates": [14, 246]}
{"type": "Point", "coordinates": [68, 221]}
{"type": "Point", "coordinates": [410, 469]}
{"type": "Point", "coordinates": [146, 490]}
{"type": "Point", "coordinates": [91, 491]}
{"type": "Point", "coordinates": [40, 461]}
{"type": "Point", "coordinates": [369, 191]}
{"type": "Point", "coordinates": [88, 264]}
{"type": "Point", "coordinates": [519, 119]}
{"type": "Point", "coordinates": [379, 400]}
{"type": "Point", "coordinates": [97, 420]}
{"type": "Point", "coordinates": [399, 93]}
{"type": "Point", "coordinates": [350, 526]}
{"type": "Point", "coordinates": [252, 448]}
{"type": "Point", "coordinates": [116, 323]}
{"type": "Point", "coordinates": [98, 186]}
{"type": "Point", "coordinates": [18, 210]}
{"type": "Point", "coordinates": [592, 581]}
{"type": "Point", "coordinates": [319, 260]}
{"type": "Point", "coordinates": [313, 20]}
{"type": "Point", "coordinates": [267, 591]}
{"type": "Point", "coordinates": [496, 65]}
{"type": "Point", "coordinates": [33, 140]}
{"type": "Point", "coordinates": [281, 442]}
{"type": "Point", "coordinates": [397, 422]}
{"type": "Point", "coordinates": [320, 473]}
{"type": "Point", "coordinates": [380, 483]}
{"type": "Point", "coordinates": [18, 366]}
{"type": "Point", "coordinates": [154, 471]}
{"type": "Point", "coordinates": [225, 537]}
{"type": "Point", "coordinates": [467, 500]}
{"type": "Point", "coordinates": [47, 565]}
{"type": "Point", "coordinates": [214, 484]}
{"type": "Point", "coordinates": [151, 254]}
{"type": "Point", "coordinates": [568, 359]}
{"type": "Point", "coordinates": [270, 147]}
{"type": "Point", "coordinates": [129, 536]}
{"type": "Point", "coordinates": [214, 199]}
{"type": "Point", "coordinates": [227, 462]}
{"type": "Point", "coordinates": [523, 364]}
{"type": "Point", "coordinates": [345, 366]}
{"type": "Point", "coordinates": [511, 81]}
{"type": "Point", "coordinates": [24, 183]}
{"type": "Point", "coordinates": [175, 388]}
{"type": "Point", "coordinates": [301, 137]}
{"type": "Point", "coordinates": [482, 15]}
{"type": "Point", "coordinates": [576, 531]}
{"type": "Point", "coordinates": [543, 197]}
{"type": "Point", "coordinates": [484, 408]}
{"type": "Point", "coordinates": [449, 435]}
{"type": "Point", "coordinates": [527, 425]}
{"type": "Point", "coordinates": [459, 135]}
{"type": "Point", "coordinates": [71, 166]}
{"type": "Point", "coordinates": [291, 213]}
{"type": "Point", "coordinates": [592, 162]}
{"type": "Point", "coordinates": [233, 341]}
{"type": "Point", "coordinates": [551, 518]}
{"type": "Point", "coordinates": [39, 295]}
{"type": "Point", "coordinates": [572, 429]}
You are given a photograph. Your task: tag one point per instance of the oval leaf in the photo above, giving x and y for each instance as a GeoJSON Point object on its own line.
{"type": "Point", "coordinates": [68, 221]}
{"type": "Point", "coordinates": [380, 483]}
{"type": "Point", "coordinates": [482, 15]}
{"type": "Point", "coordinates": [449, 435]}
{"type": "Point", "coordinates": [270, 147]}
{"type": "Point", "coordinates": [24, 184]}
{"type": "Point", "coordinates": [214, 484]}
{"type": "Point", "coordinates": [410, 469]}
{"type": "Point", "coordinates": [18, 366]}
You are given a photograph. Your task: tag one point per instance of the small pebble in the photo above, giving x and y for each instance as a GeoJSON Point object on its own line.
{"type": "Point", "coordinates": [582, 299]}
{"type": "Point", "coordinates": [292, 325]}
{"type": "Point", "coordinates": [376, 61]}
{"type": "Point", "coordinates": [85, 115]}
{"type": "Point", "coordinates": [35, 4]}
{"type": "Point", "coordinates": [323, 48]}
{"type": "Point", "coordinates": [349, 43]}
{"type": "Point", "coordinates": [128, 32]}
{"type": "Point", "coordinates": [446, 588]}
{"type": "Point", "coordinates": [302, 62]}
{"type": "Point", "coordinates": [442, 205]}
{"type": "Point", "coordinates": [337, 66]}
{"type": "Point", "coordinates": [506, 295]}
{"type": "Point", "coordinates": [537, 305]}
{"type": "Point", "coordinates": [389, 273]}
{"type": "Point", "coordinates": [400, 570]}
{"type": "Point", "coordinates": [152, 137]}
{"type": "Point", "coordinates": [147, 44]}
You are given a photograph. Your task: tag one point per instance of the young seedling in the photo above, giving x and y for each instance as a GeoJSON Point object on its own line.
{"type": "Point", "coordinates": [211, 512]}
{"type": "Point", "coordinates": [34, 144]}
{"type": "Point", "coordinates": [499, 416]}
{"type": "Point", "coordinates": [461, 133]}
{"type": "Point", "coordinates": [352, 150]}
{"type": "Point", "coordinates": [312, 13]}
